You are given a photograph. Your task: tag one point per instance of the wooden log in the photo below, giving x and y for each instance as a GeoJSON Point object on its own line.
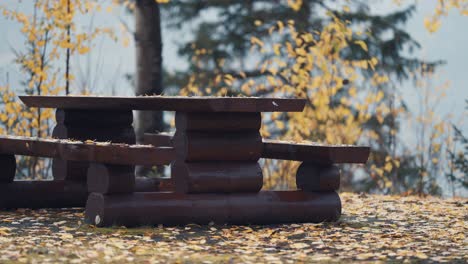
{"type": "Point", "coordinates": [180, 209]}
{"type": "Point", "coordinates": [94, 117]}
{"type": "Point", "coordinates": [167, 103]}
{"type": "Point", "coordinates": [158, 140]}
{"type": "Point", "coordinates": [147, 184]}
{"type": "Point", "coordinates": [234, 146]}
{"type": "Point", "coordinates": [8, 167]}
{"type": "Point", "coordinates": [60, 194]}
{"type": "Point", "coordinates": [314, 153]}
{"type": "Point", "coordinates": [315, 178]}
{"type": "Point", "coordinates": [100, 152]}
{"type": "Point", "coordinates": [195, 121]}
{"type": "Point", "coordinates": [217, 177]}
{"type": "Point", "coordinates": [103, 134]}
{"type": "Point", "coordinates": [42, 194]}
{"type": "Point", "coordinates": [60, 131]}
{"type": "Point", "coordinates": [110, 179]}
{"type": "Point", "coordinates": [69, 170]}
{"type": "Point", "coordinates": [62, 169]}
{"type": "Point", "coordinates": [76, 171]}
{"type": "Point", "coordinates": [166, 185]}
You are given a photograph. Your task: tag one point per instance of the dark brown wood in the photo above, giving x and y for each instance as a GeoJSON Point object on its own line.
{"type": "Point", "coordinates": [158, 140]}
{"type": "Point", "coordinates": [100, 152]}
{"type": "Point", "coordinates": [94, 117]}
{"type": "Point", "coordinates": [76, 171]}
{"type": "Point", "coordinates": [203, 146]}
{"type": "Point", "coordinates": [179, 209]}
{"type": "Point", "coordinates": [146, 184]}
{"type": "Point", "coordinates": [217, 177]}
{"type": "Point", "coordinates": [8, 168]}
{"type": "Point", "coordinates": [61, 194]}
{"type": "Point", "coordinates": [62, 169]}
{"type": "Point", "coordinates": [69, 170]}
{"type": "Point", "coordinates": [194, 121]}
{"type": "Point", "coordinates": [315, 178]}
{"type": "Point", "coordinates": [60, 131]}
{"type": "Point", "coordinates": [109, 179]}
{"type": "Point", "coordinates": [103, 134]}
{"type": "Point", "coordinates": [168, 103]}
{"type": "Point", "coordinates": [315, 153]}
{"type": "Point", "coordinates": [166, 185]}
{"type": "Point", "coordinates": [42, 194]}
{"type": "Point", "coordinates": [99, 125]}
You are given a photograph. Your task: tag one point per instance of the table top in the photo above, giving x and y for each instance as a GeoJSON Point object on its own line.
{"type": "Point", "coordinates": [168, 103]}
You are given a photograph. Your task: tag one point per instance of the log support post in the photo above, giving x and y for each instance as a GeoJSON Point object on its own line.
{"type": "Point", "coordinates": [111, 179]}
{"type": "Point", "coordinates": [217, 152]}
{"type": "Point", "coordinates": [312, 177]}
{"type": "Point", "coordinates": [8, 168]}
{"type": "Point", "coordinates": [100, 125]}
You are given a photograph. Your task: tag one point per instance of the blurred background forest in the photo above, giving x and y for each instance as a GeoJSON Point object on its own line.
{"type": "Point", "coordinates": [374, 74]}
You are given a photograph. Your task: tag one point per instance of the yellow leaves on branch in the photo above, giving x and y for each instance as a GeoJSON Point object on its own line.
{"type": "Point", "coordinates": [306, 65]}
{"type": "Point", "coordinates": [45, 27]}
{"type": "Point", "coordinates": [295, 4]}
{"type": "Point", "coordinates": [433, 22]}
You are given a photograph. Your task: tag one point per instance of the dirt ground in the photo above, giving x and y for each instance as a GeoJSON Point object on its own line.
{"type": "Point", "coordinates": [372, 228]}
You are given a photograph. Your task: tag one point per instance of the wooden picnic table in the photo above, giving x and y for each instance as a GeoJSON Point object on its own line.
{"type": "Point", "coordinates": [204, 125]}
{"type": "Point", "coordinates": [214, 156]}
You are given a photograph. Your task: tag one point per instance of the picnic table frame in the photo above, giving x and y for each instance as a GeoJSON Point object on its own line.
{"type": "Point", "coordinates": [215, 168]}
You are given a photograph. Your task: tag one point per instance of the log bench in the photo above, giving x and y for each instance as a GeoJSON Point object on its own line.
{"type": "Point", "coordinates": [318, 171]}
{"type": "Point", "coordinates": [111, 170]}
{"type": "Point", "coordinates": [214, 162]}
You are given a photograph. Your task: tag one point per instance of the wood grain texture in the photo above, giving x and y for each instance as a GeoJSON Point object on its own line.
{"type": "Point", "coordinates": [94, 117]}
{"type": "Point", "coordinates": [217, 177]}
{"type": "Point", "coordinates": [194, 121]}
{"type": "Point", "coordinates": [85, 125]}
{"type": "Point", "coordinates": [268, 207]}
{"type": "Point", "coordinates": [94, 152]}
{"type": "Point", "coordinates": [315, 153]}
{"type": "Point", "coordinates": [218, 146]}
{"type": "Point", "coordinates": [316, 178]}
{"type": "Point", "coordinates": [110, 179]}
{"type": "Point", "coordinates": [168, 103]}
{"type": "Point", "coordinates": [42, 194]}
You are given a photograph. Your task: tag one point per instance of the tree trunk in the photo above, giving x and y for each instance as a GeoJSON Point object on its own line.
{"type": "Point", "coordinates": [149, 66]}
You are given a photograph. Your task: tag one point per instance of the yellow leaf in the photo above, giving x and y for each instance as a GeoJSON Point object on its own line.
{"type": "Point", "coordinates": [277, 49]}
{"type": "Point", "coordinates": [352, 92]}
{"type": "Point", "coordinates": [388, 167]}
{"type": "Point", "coordinates": [362, 44]}
{"type": "Point", "coordinates": [255, 40]}
{"type": "Point", "coordinates": [66, 236]}
{"type": "Point", "coordinates": [299, 245]}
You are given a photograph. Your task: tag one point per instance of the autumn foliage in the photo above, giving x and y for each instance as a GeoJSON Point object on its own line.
{"type": "Point", "coordinates": [342, 98]}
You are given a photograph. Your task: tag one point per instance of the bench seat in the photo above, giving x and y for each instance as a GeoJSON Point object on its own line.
{"type": "Point", "coordinates": [90, 151]}
{"type": "Point", "coordinates": [288, 150]}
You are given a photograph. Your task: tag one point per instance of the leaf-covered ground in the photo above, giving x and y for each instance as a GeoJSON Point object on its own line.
{"type": "Point", "coordinates": [372, 228]}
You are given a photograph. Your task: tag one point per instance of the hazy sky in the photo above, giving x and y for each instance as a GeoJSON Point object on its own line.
{"type": "Point", "coordinates": [109, 61]}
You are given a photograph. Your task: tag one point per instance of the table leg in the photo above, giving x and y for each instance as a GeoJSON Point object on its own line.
{"type": "Point", "coordinates": [217, 153]}
{"type": "Point", "coordinates": [316, 178]}
{"type": "Point", "coordinates": [97, 125]}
